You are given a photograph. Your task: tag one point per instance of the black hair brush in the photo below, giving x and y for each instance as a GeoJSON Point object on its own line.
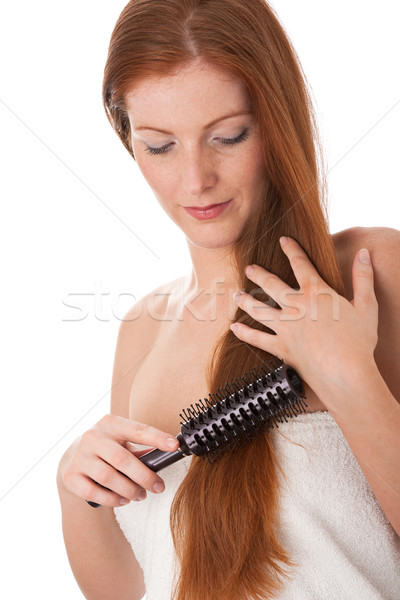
{"type": "Point", "coordinates": [235, 415]}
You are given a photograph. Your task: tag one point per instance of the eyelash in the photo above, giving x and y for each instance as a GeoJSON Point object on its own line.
{"type": "Point", "coordinates": [229, 141]}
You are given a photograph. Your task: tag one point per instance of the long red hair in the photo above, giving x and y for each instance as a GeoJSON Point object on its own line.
{"type": "Point", "coordinates": [225, 516]}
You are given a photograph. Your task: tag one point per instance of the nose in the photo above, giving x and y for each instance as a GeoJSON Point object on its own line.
{"type": "Point", "coordinates": [199, 171]}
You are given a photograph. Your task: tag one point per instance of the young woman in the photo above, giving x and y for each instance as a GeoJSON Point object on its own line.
{"type": "Point", "coordinates": [209, 98]}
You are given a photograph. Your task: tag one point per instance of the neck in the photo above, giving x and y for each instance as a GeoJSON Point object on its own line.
{"type": "Point", "coordinates": [212, 281]}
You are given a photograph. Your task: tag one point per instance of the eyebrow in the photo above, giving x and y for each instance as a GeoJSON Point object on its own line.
{"type": "Point", "coordinates": [236, 114]}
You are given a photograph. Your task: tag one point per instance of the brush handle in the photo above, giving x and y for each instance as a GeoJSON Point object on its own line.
{"type": "Point", "coordinates": [158, 459]}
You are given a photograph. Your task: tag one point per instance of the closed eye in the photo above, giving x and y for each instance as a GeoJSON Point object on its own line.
{"type": "Point", "coordinates": [229, 141]}
{"type": "Point", "coordinates": [240, 138]}
{"type": "Point", "coordinates": [161, 150]}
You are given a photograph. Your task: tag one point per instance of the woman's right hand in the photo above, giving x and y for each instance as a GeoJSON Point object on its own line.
{"type": "Point", "coordinates": [102, 465]}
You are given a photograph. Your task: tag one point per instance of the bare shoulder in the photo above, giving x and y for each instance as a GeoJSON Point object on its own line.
{"type": "Point", "coordinates": [137, 336]}
{"type": "Point", "coordinates": [376, 239]}
{"type": "Point", "coordinates": [383, 244]}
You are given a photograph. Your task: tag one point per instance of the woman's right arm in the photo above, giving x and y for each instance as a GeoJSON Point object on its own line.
{"type": "Point", "coordinates": [100, 556]}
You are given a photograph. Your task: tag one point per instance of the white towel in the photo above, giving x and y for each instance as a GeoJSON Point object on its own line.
{"type": "Point", "coordinates": [332, 525]}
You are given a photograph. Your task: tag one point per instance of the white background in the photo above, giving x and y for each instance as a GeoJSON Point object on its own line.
{"type": "Point", "coordinates": [80, 227]}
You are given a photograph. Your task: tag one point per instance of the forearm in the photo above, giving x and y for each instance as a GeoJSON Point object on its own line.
{"type": "Point", "coordinates": [369, 417]}
{"type": "Point", "coordinates": [101, 559]}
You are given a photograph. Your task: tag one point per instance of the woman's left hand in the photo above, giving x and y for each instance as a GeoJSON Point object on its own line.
{"type": "Point", "coordinates": [327, 339]}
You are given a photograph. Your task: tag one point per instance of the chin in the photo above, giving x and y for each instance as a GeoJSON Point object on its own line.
{"type": "Point", "coordinates": [212, 242]}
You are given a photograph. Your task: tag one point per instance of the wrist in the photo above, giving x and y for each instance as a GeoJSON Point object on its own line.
{"type": "Point", "coordinates": [348, 384]}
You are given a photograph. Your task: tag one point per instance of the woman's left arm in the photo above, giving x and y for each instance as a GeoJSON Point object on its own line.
{"type": "Point", "coordinates": [333, 344]}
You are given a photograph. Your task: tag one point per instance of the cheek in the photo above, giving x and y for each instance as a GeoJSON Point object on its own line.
{"type": "Point", "coordinates": [256, 160]}
{"type": "Point", "coordinates": [250, 171]}
{"type": "Point", "coordinates": [160, 177]}
{"type": "Point", "coordinates": [259, 171]}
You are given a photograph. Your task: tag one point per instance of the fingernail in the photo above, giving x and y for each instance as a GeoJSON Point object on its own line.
{"type": "Point", "coordinates": [171, 442]}
{"type": "Point", "coordinates": [234, 327]}
{"type": "Point", "coordinates": [237, 296]}
{"type": "Point", "coordinates": [363, 257]}
{"type": "Point", "coordinates": [141, 496]}
{"type": "Point", "coordinates": [124, 501]}
{"type": "Point", "coordinates": [248, 270]}
{"type": "Point", "coordinates": [283, 240]}
{"type": "Point", "coordinates": [158, 487]}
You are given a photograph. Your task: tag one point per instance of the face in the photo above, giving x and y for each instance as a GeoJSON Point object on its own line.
{"type": "Point", "coordinates": [197, 144]}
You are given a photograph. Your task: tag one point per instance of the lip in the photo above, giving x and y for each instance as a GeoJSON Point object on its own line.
{"type": "Point", "coordinates": [207, 212]}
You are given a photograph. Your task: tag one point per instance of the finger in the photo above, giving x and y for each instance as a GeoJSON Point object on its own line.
{"type": "Point", "coordinates": [86, 488]}
{"type": "Point", "coordinates": [363, 280]}
{"type": "Point", "coordinates": [110, 478]}
{"type": "Point", "coordinates": [118, 458]}
{"type": "Point", "coordinates": [254, 337]}
{"type": "Point", "coordinates": [302, 267]}
{"type": "Point", "coordinates": [260, 311]}
{"type": "Point", "coordinates": [271, 284]}
{"type": "Point", "coordinates": [138, 452]}
{"type": "Point", "coordinates": [124, 429]}
{"type": "Point", "coordinates": [113, 485]}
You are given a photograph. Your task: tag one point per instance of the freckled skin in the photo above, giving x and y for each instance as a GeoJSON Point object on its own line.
{"type": "Point", "coordinates": [198, 169]}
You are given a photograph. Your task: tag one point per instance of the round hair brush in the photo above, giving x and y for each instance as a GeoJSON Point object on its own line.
{"type": "Point", "coordinates": [235, 415]}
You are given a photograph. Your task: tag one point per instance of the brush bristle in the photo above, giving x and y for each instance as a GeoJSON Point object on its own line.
{"type": "Point", "coordinates": [242, 410]}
